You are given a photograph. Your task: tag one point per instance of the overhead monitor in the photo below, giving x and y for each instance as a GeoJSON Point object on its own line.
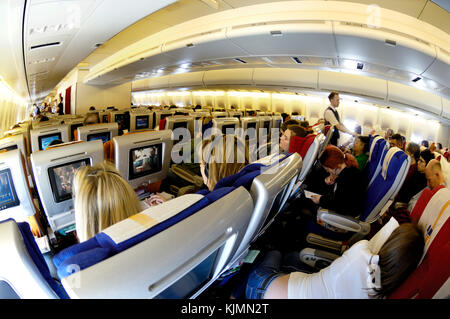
{"type": "Point", "coordinates": [15, 195]}
{"type": "Point", "coordinates": [43, 136]}
{"type": "Point", "coordinates": [103, 132]}
{"type": "Point", "coordinates": [143, 157]}
{"type": "Point", "coordinates": [53, 172]}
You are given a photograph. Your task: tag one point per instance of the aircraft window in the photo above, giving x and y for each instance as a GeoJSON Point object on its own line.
{"type": "Point", "coordinates": [44, 140]}
{"type": "Point", "coordinates": [145, 160]}
{"type": "Point", "coordinates": [141, 122]}
{"type": "Point", "coordinates": [8, 195]}
{"type": "Point", "coordinates": [190, 282]}
{"type": "Point", "coordinates": [105, 136]}
{"type": "Point", "coordinates": [61, 178]}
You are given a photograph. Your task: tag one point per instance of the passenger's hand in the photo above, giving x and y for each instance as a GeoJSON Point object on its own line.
{"type": "Point", "coordinates": [155, 199]}
{"type": "Point", "coordinates": [329, 180]}
{"type": "Point", "coordinates": [316, 198]}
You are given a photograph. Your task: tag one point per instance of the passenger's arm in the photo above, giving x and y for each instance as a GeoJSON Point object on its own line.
{"type": "Point", "coordinates": [342, 128]}
{"type": "Point", "coordinates": [278, 289]}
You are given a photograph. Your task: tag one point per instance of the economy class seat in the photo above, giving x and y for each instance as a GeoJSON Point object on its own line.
{"type": "Point", "coordinates": [431, 279]}
{"type": "Point", "coordinates": [338, 232]}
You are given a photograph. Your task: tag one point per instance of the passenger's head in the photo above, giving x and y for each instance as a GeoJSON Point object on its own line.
{"type": "Point", "coordinates": [388, 134]}
{"type": "Point", "coordinates": [92, 108]}
{"type": "Point", "coordinates": [334, 99]}
{"type": "Point", "coordinates": [413, 150]}
{"type": "Point", "coordinates": [101, 199]}
{"type": "Point", "coordinates": [433, 147]}
{"type": "Point", "coordinates": [92, 118]}
{"type": "Point", "coordinates": [285, 125]}
{"type": "Point", "coordinates": [305, 124]}
{"type": "Point", "coordinates": [399, 257]}
{"type": "Point", "coordinates": [285, 116]}
{"type": "Point", "coordinates": [433, 173]}
{"type": "Point", "coordinates": [424, 143]}
{"type": "Point", "coordinates": [333, 160]}
{"type": "Point", "coordinates": [396, 140]}
{"type": "Point", "coordinates": [291, 131]}
{"type": "Point", "coordinates": [55, 142]}
{"type": "Point", "coordinates": [439, 146]}
{"type": "Point", "coordinates": [361, 145]}
{"type": "Point", "coordinates": [425, 157]}
{"type": "Point", "coordinates": [222, 156]}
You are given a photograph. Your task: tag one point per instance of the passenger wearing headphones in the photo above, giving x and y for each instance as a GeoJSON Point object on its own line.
{"type": "Point", "coordinates": [101, 199]}
{"type": "Point", "coordinates": [369, 269]}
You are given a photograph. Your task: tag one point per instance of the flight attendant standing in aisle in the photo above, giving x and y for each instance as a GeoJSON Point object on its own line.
{"type": "Point", "coordinates": [331, 117]}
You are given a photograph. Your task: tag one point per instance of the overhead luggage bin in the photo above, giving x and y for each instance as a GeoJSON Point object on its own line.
{"type": "Point", "coordinates": [349, 83]}
{"type": "Point", "coordinates": [300, 37]}
{"type": "Point", "coordinates": [404, 94]}
{"type": "Point", "coordinates": [186, 79]}
{"type": "Point", "coordinates": [286, 77]}
{"type": "Point", "coordinates": [383, 47]}
{"type": "Point", "coordinates": [230, 77]}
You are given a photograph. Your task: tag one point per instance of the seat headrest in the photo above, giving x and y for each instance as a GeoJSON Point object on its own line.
{"type": "Point", "coordinates": [372, 146]}
{"type": "Point", "coordinates": [301, 145]}
{"type": "Point", "coordinates": [387, 160]}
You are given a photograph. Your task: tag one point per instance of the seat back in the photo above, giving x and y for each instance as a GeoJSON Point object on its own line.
{"type": "Point", "coordinates": [326, 140]}
{"type": "Point", "coordinates": [162, 252]}
{"type": "Point", "coordinates": [23, 268]}
{"type": "Point", "coordinates": [387, 183]}
{"type": "Point", "coordinates": [377, 149]}
{"type": "Point", "coordinates": [431, 279]}
{"type": "Point", "coordinates": [270, 191]}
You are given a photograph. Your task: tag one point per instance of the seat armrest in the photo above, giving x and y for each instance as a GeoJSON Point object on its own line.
{"type": "Point", "coordinates": [340, 223]}
{"type": "Point", "coordinates": [316, 258]}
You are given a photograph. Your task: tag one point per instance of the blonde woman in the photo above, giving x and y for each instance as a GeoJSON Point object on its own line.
{"type": "Point", "coordinates": [101, 198]}
{"type": "Point", "coordinates": [221, 156]}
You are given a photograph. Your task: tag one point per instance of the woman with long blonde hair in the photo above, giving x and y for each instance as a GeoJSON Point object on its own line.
{"type": "Point", "coordinates": [101, 198]}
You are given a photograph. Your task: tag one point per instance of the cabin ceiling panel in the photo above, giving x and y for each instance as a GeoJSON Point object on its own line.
{"type": "Point", "coordinates": [435, 15]}
{"type": "Point", "coordinates": [79, 26]}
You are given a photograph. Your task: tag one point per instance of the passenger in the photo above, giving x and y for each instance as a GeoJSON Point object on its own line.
{"type": "Point", "coordinates": [216, 164]}
{"type": "Point", "coordinates": [285, 139]}
{"type": "Point", "coordinates": [388, 134]}
{"type": "Point", "coordinates": [60, 106]}
{"type": "Point", "coordinates": [415, 180]}
{"type": "Point", "coordinates": [362, 272]}
{"type": "Point", "coordinates": [284, 125]}
{"type": "Point", "coordinates": [434, 174]}
{"type": "Point", "coordinates": [91, 118]}
{"type": "Point", "coordinates": [331, 117]}
{"type": "Point", "coordinates": [396, 141]}
{"type": "Point", "coordinates": [285, 116]}
{"type": "Point", "coordinates": [101, 198]}
{"type": "Point", "coordinates": [347, 197]}
{"type": "Point", "coordinates": [361, 150]}
{"type": "Point", "coordinates": [423, 145]}
{"type": "Point", "coordinates": [92, 108]}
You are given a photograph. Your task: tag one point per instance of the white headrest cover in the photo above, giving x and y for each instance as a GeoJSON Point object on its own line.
{"type": "Point", "coordinates": [387, 160]}
{"type": "Point", "coordinates": [150, 217]}
{"type": "Point", "coordinates": [373, 145]}
{"type": "Point", "coordinates": [382, 236]}
{"type": "Point", "coordinates": [445, 166]}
